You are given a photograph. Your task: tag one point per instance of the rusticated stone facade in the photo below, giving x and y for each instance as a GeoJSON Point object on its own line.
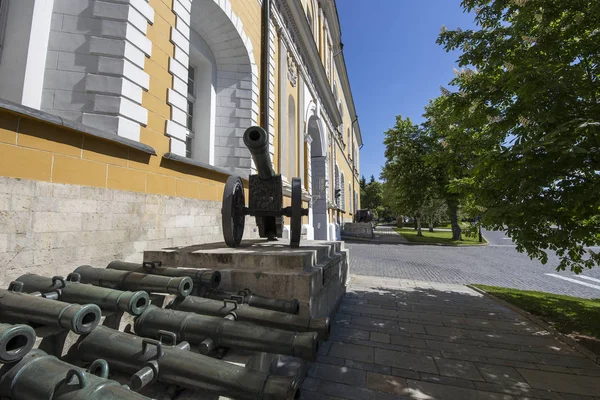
{"type": "Point", "coordinates": [49, 228]}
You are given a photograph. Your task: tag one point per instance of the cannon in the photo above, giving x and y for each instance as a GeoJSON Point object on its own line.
{"type": "Point", "coordinates": [247, 297]}
{"type": "Point", "coordinates": [243, 312]}
{"type": "Point", "coordinates": [72, 291]}
{"type": "Point", "coordinates": [363, 216]}
{"type": "Point", "coordinates": [125, 280]}
{"type": "Point", "coordinates": [266, 198]}
{"type": "Point", "coordinates": [201, 277]}
{"type": "Point", "coordinates": [195, 328]}
{"type": "Point", "coordinates": [39, 376]}
{"type": "Point", "coordinates": [22, 307]}
{"type": "Point", "coordinates": [152, 360]}
{"type": "Point", "coordinates": [15, 342]}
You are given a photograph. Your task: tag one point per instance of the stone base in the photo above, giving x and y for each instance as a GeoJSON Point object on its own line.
{"type": "Point", "coordinates": [360, 230]}
{"type": "Point", "coordinates": [316, 273]}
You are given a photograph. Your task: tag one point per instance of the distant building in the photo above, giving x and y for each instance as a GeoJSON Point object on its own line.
{"type": "Point", "coordinates": [141, 109]}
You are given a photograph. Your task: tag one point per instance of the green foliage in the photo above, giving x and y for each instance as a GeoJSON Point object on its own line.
{"type": "Point", "coordinates": [409, 181]}
{"type": "Point", "coordinates": [528, 110]}
{"type": "Point", "coordinates": [567, 314]}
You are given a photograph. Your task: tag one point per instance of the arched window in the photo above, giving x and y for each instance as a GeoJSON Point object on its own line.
{"type": "Point", "coordinates": [336, 185]}
{"type": "Point", "coordinates": [349, 197]}
{"type": "Point", "coordinates": [348, 142]}
{"type": "Point", "coordinates": [292, 140]}
{"type": "Point", "coordinates": [342, 193]}
{"type": "Point", "coordinates": [201, 101]}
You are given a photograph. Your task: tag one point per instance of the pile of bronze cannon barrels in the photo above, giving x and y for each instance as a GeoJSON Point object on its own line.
{"type": "Point", "coordinates": [180, 327]}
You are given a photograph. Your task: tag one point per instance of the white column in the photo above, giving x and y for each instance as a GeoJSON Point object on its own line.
{"type": "Point", "coordinates": [25, 50]}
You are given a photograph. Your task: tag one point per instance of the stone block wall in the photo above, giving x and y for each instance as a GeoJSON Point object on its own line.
{"type": "Point", "coordinates": [49, 228]}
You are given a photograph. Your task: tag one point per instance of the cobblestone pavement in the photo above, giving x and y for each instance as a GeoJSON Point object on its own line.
{"type": "Point", "coordinates": [401, 339]}
{"type": "Point", "coordinates": [498, 264]}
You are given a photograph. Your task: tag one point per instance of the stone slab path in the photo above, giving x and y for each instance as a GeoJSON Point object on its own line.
{"type": "Point", "coordinates": [404, 339]}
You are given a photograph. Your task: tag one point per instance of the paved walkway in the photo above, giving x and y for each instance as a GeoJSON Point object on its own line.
{"type": "Point", "coordinates": [404, 339]}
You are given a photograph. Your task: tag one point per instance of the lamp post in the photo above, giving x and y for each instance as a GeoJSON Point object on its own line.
{"type": "Point", "coordinates": [477, 220]}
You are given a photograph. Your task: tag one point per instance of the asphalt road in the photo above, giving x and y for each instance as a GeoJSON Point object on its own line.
{"type": "Point", "coordinates": [498, 264]}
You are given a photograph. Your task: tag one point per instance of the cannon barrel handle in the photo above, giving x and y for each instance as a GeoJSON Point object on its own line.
{"type": "Point", "coordinates": [255, 138]}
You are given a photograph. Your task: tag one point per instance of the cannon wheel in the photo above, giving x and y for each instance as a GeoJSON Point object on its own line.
{"type": "Point", "coordinates": [296, 219]}
{"type": "Point", "coordinates": [232, 219]}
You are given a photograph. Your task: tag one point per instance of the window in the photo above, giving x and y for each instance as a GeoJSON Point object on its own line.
{"type": "Point", "coordinates": [310, 19]}
{"type": "Point", "coordinates": [3, 19]}
{"type": "Point", "coordinates": [191, 104]}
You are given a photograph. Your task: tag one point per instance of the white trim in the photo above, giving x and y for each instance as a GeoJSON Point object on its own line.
{"type": "Point", "coordinates": [121, 80]}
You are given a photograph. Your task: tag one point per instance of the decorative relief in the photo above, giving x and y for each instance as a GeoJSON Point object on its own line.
{"type": "Point", "coordinates": [292, 70]}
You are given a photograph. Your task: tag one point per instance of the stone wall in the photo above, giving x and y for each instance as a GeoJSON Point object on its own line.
{"type": "Point", "coordinates": [50, 228]}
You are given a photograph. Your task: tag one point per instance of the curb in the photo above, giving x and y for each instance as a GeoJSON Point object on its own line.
{"type": "Point", "coordinates": [538, 321]}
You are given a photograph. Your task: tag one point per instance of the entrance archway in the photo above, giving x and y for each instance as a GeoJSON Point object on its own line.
{"type": "Point", "coordinates": [318, 165]}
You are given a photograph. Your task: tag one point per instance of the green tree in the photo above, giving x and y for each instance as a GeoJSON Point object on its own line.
{"type": "Point", "coordinates": [410, 181]}
{"type": "Point", "coordinates": [529, 93]}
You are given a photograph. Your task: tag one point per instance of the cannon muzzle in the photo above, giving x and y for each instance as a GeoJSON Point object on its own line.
{"type": "Point", "coordinates": [176, 365]}
{"type": "Point", "coordinates": [125, 280]}
{"type": "Point", "coordinates": [71, 291]}
{"type": "Point", "coordinates": [41, 376]}
{"type": "Point", "coordinates": [202, 277]}
{"type": "Point", "coordinates": [255, 138]}
{"type": "Point", "coordinates": [80, 319]}
{"type": "Point", "coordinates": [15, 342]}
{"type": "Point", "coordinates": [194, 328]}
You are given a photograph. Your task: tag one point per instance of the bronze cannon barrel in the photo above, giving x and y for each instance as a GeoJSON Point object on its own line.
{"type": "Point", "coordinates": [255, 138]}
{"type": "Point", "coordinates": [74, 292]}
{"type": "Point", "coordinates": [15, 342]}
{"type": "Point", "coordinates": [201, 277]}
{"type": "Point", "coordinates": [125, 280]}
{"type": "Point", "coordinates": [245, 313]}
{"type": "Point", "coordinates": [22, 307]}
{"type": "Point", "coordinates": [178, 366]}
{"type": "Point", "coordinates": [287, 306]}
{"type": "Point", "coordinates": [39, 376]}
{"type": "Point", "coordinates": [194, 328]}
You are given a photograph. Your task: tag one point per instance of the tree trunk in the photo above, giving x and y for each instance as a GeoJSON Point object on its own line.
{"type": "Point", "coordinates": [456, 231]}
{"type": "Point", "coordinates": [419, 232]}
{"type": "Point", "coordinates": [431, 224]}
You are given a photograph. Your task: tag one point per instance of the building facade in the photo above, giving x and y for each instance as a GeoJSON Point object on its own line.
{"type": "Point", "coordinates": [120, 121]}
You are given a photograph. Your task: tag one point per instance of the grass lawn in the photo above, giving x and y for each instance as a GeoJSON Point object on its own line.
{"type": "Point", "coordinates": [440, 237]}
{"type": "Point", "coordinates": [449, 226]}
{"type": "Point", "coordinates": [569, 315]}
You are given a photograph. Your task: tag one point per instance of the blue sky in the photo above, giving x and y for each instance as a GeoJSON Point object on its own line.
{"type": "Point", "coordinates": [394, 64]}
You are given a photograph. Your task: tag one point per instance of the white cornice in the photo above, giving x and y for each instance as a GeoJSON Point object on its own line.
{"type": "Point", "coordinates": [305, 41]}
{"type": "Point", "coordinates": [330, 9]}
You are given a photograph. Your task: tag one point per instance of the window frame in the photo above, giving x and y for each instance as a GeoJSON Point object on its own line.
{"type": "Point", "coordinates": [191, 105]}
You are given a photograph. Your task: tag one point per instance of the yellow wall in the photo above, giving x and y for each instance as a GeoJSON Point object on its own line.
{"type": "Point", "coordinates": [32, 149]}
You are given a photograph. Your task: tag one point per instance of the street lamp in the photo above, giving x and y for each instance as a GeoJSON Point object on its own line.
{"type": "Point", "coordinates": [477, 220]}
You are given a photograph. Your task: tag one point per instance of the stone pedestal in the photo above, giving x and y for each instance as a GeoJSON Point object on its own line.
{"type": "Point", "coordinates": [358, 230]}
{"type": "Point", "coordinates": [316, 273]}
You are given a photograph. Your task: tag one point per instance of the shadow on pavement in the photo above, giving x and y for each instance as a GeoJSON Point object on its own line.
{"type": "Point", "coordinates": [399, 339]}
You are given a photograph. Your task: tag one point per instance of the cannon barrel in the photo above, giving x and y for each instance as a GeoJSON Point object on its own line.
{"type": "Point", "coordinates": [74, 292]}
{"type": "Point", "coordinates": [125, 280]}
{"type": "Point", "coordinates": [22, 307]}
{"type": "Point", "coordinates": [255, 138]}
{"type": "Point", "coordinates": [201, 277]}
{"type": "Point", "coordinates": [195, 328]}
{"type": "Point", "coordinates": [178, 366]}
{"type": "Point", "coordinates": [39, 376]}
{"type": "Point", "coordinates": [15, 342]}
{"type": "Point", "coordinates": [245, 313]}
{"type": "Point", "coordinates": [286, 306]}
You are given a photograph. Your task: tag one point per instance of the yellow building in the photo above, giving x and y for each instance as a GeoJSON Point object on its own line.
{"type": "Point", "coordinates": [120, 121]}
